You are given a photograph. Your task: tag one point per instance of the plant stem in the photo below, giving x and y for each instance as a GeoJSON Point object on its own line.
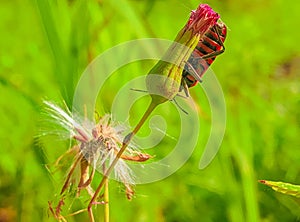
{"type": "Point", "coordinates": [126, 142]}
{"type": "Point", "coordinates": [106, 202]}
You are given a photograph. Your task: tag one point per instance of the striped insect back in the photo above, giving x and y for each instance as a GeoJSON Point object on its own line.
{"type": "Point", "coordinates": [210, 46]}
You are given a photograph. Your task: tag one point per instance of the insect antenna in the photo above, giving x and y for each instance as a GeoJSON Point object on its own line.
{"type": "Point", "coordinates": [176, 103]}
{"type": "Point", "coordinates": [182, 96]}
{"type": "Point", "coordinates": [139, 90]}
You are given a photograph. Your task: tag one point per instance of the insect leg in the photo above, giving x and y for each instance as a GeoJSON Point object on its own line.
{"type": "Point", "coordinates": [213, 54]}
{"type": "Point", "coordinates": [216, 53]}
{"type": "Point", "coordinates": [184, 87]}
{"type": "Point", "coordinates": [194, 72]}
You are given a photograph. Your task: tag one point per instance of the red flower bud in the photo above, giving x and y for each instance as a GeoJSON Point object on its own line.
{"type": "Point", "coordinates": [163, 81]}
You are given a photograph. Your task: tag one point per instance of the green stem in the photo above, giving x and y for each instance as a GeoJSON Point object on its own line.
{"type": "Point", "coordinates": [106, 200]}
{"type": "Point", "coordinates": [126, 142]}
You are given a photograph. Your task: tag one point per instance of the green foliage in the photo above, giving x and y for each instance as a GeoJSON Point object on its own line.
{"type": "Point", "coordinates": [46, 45]}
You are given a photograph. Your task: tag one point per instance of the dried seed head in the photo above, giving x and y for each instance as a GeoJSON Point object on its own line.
{"type": "Point", "coordinates": [99, 143]}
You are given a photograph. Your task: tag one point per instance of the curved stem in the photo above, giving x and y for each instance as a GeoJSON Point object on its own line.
{"type": "Point", "coordinates": [126, 142]}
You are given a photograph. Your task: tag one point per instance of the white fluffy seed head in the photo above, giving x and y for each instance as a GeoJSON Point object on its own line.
{"type": "Point", "coordinates": [99, 142]}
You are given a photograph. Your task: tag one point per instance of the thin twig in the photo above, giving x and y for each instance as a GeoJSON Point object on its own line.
{"type": "Point", "coordinates": [126, 142]}
{"type": "Point", "coordinates": [106, 200]}
{"type": "Point", "coordinates": [67, 182]}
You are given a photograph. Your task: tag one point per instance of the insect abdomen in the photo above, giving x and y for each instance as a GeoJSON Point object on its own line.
{"type": "Point", "coordinates": [211, 43]}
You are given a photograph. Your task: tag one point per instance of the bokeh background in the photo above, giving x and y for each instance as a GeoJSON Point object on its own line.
{"type": "Point", "coordinates": [46, 45]}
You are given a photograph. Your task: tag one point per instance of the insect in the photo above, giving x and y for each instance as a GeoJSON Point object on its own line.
{"type": "Point", "coordinates": [208, 48]}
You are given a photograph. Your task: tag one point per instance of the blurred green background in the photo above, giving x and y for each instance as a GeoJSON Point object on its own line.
{"type": "Point", "coordinates": [46, 45]}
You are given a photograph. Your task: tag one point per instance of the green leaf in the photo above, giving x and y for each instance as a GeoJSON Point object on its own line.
{"type": "Point", "coordinates": [282, 187]}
